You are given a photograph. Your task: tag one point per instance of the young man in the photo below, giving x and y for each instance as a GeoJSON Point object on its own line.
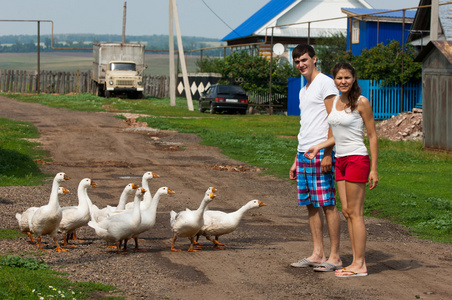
{"type": "Point", "coordinates": [315, 178]}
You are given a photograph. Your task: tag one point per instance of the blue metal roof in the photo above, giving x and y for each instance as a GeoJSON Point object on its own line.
{"type": "Point", "coordinates": [395, 14]}
{"type": "Point", "coordinates": [256, 21]}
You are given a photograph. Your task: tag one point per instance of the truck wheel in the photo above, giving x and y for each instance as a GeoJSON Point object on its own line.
{"type": "Point", "coordinates": [212, 109]}
{"type": "Point", "coordinates": [107, 94]}
{"type": "Point", "coordinates": [99, 90]}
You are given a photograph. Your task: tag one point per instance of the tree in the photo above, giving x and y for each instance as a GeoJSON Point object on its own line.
{"type": "Point", "coordinates": [331, 50]}
{"type": "Point", "coordinates": [250, 71]}
{"type": "Point", "coordinates": [385, 63]}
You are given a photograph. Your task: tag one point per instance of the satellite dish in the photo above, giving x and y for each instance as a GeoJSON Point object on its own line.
{"type": "Point", "coordinates": [278, 49]}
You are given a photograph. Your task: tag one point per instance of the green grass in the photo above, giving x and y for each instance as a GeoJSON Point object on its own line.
{"type": "Point", "coordinates": [414, 189]}
{"type": "Point", "coordinates": [18, 154]}
{"type": "Point", "coordinates": [29, 278]}
{"type": "Point", "coordinates": [10, 234]}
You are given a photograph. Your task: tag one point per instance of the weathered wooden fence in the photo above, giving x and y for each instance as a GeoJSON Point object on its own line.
{"type": "Point", "coordinates": [156, 86]}
{"type": "Point", "coordinates": [15, 81]}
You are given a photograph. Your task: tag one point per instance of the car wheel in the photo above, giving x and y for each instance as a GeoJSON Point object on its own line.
{"type": "Point", "coordinates": [200, 109]}
{"type": "Point", "coordinates": [212, 109]}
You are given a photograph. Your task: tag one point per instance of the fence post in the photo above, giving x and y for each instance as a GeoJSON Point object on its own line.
{"type": "Point", "coordinates": [77, 86]}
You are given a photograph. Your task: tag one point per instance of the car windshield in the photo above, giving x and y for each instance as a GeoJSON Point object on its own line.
{"type": "Point", "coordinates": [231, 89]}
{"type": "Point", "coordinates": [123, 67]}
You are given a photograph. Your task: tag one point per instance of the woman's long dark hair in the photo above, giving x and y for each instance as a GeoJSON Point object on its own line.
{"type": "Point", "coordinates": [355, 91]}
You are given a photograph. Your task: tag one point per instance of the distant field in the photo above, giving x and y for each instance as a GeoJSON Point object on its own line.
{"type": "Point", "coordinates": [158, 64]}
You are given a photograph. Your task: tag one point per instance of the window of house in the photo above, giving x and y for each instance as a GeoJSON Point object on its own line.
{"type": "Point", "coordinates": [355, 32]}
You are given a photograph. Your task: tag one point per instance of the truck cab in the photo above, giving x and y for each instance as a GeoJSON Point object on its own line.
{"type": "Point", "coordinates": [122, 78]}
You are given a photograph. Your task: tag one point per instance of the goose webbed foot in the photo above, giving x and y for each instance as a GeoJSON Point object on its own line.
{"type": "Point", "coordinates": [58, 247]}
{"type": "Point", "coordinates": [172, 244]}
{"type": "Point", "coordinates": [30, 236]}
{"type": "Point", "coordinates": [192, 240]}
{"type": "Point", "coordinates": [197, 244]}
{"type": "Point", "coordinates": [110, 246]}
{"type": "Point", "coordinates": [137, 249]}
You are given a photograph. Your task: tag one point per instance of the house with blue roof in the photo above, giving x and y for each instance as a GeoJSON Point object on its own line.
{"type": "Point", "coordinates": [291, 22]}
{"type": "Point", "coordinates": [368, 27]}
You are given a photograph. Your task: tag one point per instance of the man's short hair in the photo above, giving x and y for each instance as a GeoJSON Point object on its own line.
{"type": "Point", "coordinates": [302, 49]}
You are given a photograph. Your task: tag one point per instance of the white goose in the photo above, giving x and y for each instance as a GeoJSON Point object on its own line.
{"type": "Point", "coordinates": [120, 226]}
{"type": "Point", "coordinates": [188, 222]}
{"type": "Point", "coordinates": [24, 219]}
{"type": "Point", "coordinates": [147, 196]}
{"type": "Point", "coordinates": [76, 216]}
{"type": "Point", "coordinates": [217, 223]}
{"type": "Point", "coordinates": [148, 215]}
{"type": "Point", "coordinates": [46, 219]}
{"type": "Point", "coordinates": [100, 214]}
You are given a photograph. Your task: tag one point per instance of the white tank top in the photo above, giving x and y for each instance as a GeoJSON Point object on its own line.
{"type": "Point", "coordinates": [348, 130]}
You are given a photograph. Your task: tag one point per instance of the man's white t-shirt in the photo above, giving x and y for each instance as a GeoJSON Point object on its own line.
{"type": "Point", "coordinates": [313, 114]}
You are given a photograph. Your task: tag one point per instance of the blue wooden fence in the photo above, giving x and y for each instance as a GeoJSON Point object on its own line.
{"type": "Point", "coordinates": [385, 100]}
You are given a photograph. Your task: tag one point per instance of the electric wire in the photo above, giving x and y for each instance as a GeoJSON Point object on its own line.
{"type": "Point", "coordinates": [220, 18]}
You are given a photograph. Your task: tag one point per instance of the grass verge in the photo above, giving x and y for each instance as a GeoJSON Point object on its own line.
{"type": "Point", "coordinates": [29, 278]}
{"type": "Point", "coordinates": [18, 154]}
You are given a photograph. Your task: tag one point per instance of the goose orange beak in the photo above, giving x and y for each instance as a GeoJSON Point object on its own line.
{"type": "Point", "coordinates": [262, 204]}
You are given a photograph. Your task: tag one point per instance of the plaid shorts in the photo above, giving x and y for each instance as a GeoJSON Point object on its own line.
{"type": "Point", "coordinates": [313, 186]}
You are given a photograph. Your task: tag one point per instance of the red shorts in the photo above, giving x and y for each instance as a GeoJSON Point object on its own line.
{"type": "Point", "coordinates": [354, 168]}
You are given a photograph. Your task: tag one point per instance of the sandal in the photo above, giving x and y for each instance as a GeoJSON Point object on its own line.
{"type": "Point", "coordinates": [327, 267]}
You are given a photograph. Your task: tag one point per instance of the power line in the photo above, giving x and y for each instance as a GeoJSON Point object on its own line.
{"type": "Point", "coordinates": [219, 17]}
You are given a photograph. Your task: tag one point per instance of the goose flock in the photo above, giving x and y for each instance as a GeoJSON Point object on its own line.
{"type": "Point", "coordinates": [117, 224]}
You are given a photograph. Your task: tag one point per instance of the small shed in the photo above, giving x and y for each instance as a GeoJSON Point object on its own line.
{"type": "Point", "coordinates": [436, 60]}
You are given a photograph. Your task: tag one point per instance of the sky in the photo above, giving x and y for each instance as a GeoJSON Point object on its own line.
{"type": "Point", "coordinates": [202, 18]}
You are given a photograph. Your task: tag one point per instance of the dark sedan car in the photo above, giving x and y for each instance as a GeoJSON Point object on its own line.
{"type": "Point", "coordinates": [220, 97]}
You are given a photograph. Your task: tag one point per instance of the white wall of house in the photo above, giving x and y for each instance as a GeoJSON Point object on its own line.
{"type": "Point", "coordinates": [304, 11]}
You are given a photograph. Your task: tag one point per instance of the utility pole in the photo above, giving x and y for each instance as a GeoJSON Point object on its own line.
{"type": "Point", "coordinates": [172, 87]}
{"type": "Point", "coordinates": [124, 23]}
{"type": "Point", "coordinates": [182, 58]}
{"type": "Point", "coordinates": [38, 76]}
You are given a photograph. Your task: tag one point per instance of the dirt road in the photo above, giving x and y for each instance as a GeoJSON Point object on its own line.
{"type": "Point", "coordinates": [256, 262]}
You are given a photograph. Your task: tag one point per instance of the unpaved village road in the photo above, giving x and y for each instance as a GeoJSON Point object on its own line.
{"type": "Point", "coordinates": [256, 262]}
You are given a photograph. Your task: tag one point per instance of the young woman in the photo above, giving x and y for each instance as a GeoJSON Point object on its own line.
{"type": "Point", "coordinates": [349, 113]}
